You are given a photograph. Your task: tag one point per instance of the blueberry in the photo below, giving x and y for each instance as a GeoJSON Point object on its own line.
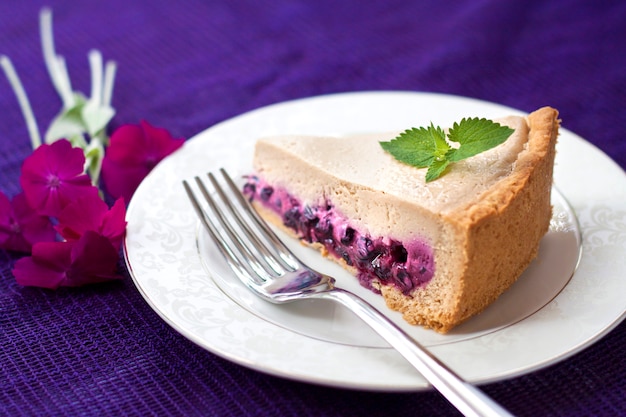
{"type": "Point", "coordinates": [397, 252]}
{"type": "Point", "coordinates": [366, 249]}
{"type": "Point", "coordinates": [404, 282]}
{"type": "Point", "coordinates": [348, 236]}
{"type": "Point", "coordinates": [307, 230]}
{"type": "Point", "coordinates": [383, 273]}
{"type": "Point", "coordinates": [323, 230]}
{"type": "Point", "coordinates": [266, 193]}
{"type": "Point", "coordinates": [249, 189]}
{"type": "Point", "coordinates": [342, 253]}
{"type": "Point", "coordinates": [308, 219]}
{"type": "Point", "coordinates": [291, 218]}
{"type": "Point", "coordinates": [308, 213]}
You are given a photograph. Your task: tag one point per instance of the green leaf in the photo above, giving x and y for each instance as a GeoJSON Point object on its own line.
{"type": "Point", "coordinates": [417, 147]}
{"type": "Point", "coordinates": [439, 139]}
{"type": "Point", "coordinates": [475, 136]}
{"type": "Point", "coordinates": [64, 126]}
{"type": "Point", "coordinates": [96, 118]}
{"type": "Point", "coordinates": [67, 124]}
{"type": "Point", "coordinates": [436, 169]}
{"type": "Point", "coordinates": [427, 147]}
{"type": "Point", "coordinates": [84, 117]}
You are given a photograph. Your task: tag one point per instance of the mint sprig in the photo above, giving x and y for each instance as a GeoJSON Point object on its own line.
{"type": "Point", "coordinates": [427, 147]}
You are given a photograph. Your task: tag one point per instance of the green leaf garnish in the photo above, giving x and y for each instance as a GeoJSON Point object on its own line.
{"type": "Point", "coordinates": [428, 148]}
{"type": "Point", "coordinates": [436, 169]}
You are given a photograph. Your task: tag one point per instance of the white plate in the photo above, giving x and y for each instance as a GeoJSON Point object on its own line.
{"type": "Point", "coordinates": [545, 317]}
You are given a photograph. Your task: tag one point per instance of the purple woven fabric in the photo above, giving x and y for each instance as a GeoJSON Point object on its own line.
{"type": "Point", "coordinates": [186, 65]}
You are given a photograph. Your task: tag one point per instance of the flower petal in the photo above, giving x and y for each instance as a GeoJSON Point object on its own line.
{"type": "Point", "coordinates": [114, 223]}
{"type": "Point", "coordinates": [92, 214]}
{"type": "Point", "coordinates": [94, 259]}
{"type": "Point", "coordinates": [53, 175]}
{"type": "Point", "coordinates": [64, 159]}
{"type": "Point", "coordinates": [84, 213]}
{"type": "Point", "coordinates": [127, 145]}
{"type": "Point", "coordinates": [35, 227]}
{"type": "Point", "coordinates": [29, 273]}
{"type": "Point", "coordinates": [11, 236]}
{"type": "Point", "coordinates": [89, 260]}
{"type": "Point", "coordinates": [160, 140]}
{"type": "Point", "coordinates": [46, 268]}
{"type": "Point", "coordinates": [20, 226]}
{"type": "Point", "coordinates": [132, 153]}
{"type": "Point", "coordinates": [122, 180]}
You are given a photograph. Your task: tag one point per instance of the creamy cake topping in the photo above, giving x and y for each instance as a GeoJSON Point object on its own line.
{"type": "Point", "coordinates": [361, 160]}
{"type": "Point", "coordinates": [350, 171]}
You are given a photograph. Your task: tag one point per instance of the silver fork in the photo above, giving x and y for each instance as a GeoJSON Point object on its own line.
{"type": "Point", "coordinates": [266, 266]}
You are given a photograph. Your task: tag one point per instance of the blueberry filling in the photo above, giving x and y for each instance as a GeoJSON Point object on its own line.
{"type": "Point", "coordinates": [348, 236]}
{"type": "Point", "coordinates": [386, 261]}
{"type": "Point", "coordinates": [266, 193]}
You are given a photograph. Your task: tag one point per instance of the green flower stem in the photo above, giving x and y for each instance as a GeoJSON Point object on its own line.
{"type": "Point", "coordinates": [94, 154]}
{"type": "Point", "coordinates": [95, 64]}
{"type": "Point", "coordinates": [109, 79]}
{"type": "Point", "coordinates": [55, 63]}
{"type": "Point", "coordinates": [22, 99]}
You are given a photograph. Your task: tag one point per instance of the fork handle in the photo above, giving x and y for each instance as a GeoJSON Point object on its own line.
{"type": "Point", "coordinates": [467, 398]}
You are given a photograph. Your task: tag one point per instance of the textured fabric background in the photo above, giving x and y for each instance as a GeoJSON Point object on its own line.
{"type": "Point", "coordinates": [186, 65]}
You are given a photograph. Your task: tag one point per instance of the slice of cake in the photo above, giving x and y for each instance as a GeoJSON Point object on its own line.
{"type": "Point", "coordinates": [439, 251]}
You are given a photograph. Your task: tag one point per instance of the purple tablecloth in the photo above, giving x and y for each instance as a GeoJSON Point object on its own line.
{"type": "Point", "coordinates": [186, 65]}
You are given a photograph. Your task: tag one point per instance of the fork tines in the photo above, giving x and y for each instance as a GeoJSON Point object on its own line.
{"type": "Point", "coordinates": [250, 247]}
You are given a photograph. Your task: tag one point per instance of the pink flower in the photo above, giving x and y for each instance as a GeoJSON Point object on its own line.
{"type": "Point", "coordinates": [55, 185]}
{"type": "Point", "coordinates": [90, 213]}
{"type": "Point", "coordinates": [20, 226]}
{"type": "Point", "coordinates": [132, 153]}
{"type": "Point", "coordinates": [90, 259]}
{"type": "Point", "coordinates": [53, 175]}
{"type": "Point", "coordinates": [90, 252]}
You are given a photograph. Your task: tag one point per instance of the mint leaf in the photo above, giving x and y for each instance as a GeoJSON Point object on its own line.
{"type": "Point", "coordinates": [418, 147]}
{"type": "Point", "coordinates": [428, 148]}
{"type": "Point", "coordinates": [439, 138]}
{"type": "Point", "coordinates": [436, 169]}
{"type": "Point", "coordinates": [476, 136]}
